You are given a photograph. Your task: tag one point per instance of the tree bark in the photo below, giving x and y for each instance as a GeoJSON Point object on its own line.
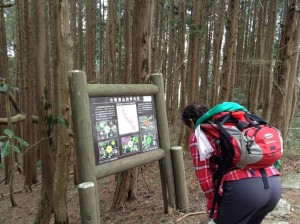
{"type": "Point", "coordinates": [218, 36]}
{"type": "Point", "coordinates": [126, 188]}
{"type": "Point", "coordinates": [141, 41]}
{"type": "Point", "coordinates": [90, 40]}
{"type": "Point", "coordinates": [180, 72]}
{"type": "Point", "coordinates": [128, 38]}
{"type": "Point", "coordinates": [30, 158]}
{"type": "Point", "coordinates": [62, 139]}
{"type": "Point", "coordinates": [111, 40]}
{"type": "Point", "coordinates": [46, 201]}
{"type": "Point", "coordinates": [288, 49]}
{"type": "Point", "coordinates": [268, 68]}
{"type": "Point", "coordinates": [256, 80]}
{"type": "Point", "coordinates": [231, 28]}
{"type": "Point", "coordinates": [194, 52]}
{"type": "Point", "coordinates": [291, 95]}
{"type": "Point", "coordinates": [170, 76]}
{"type": "Point", "coordinates": [9, 160]}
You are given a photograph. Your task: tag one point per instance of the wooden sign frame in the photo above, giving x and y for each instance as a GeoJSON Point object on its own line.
{"type": "Point", "coordinates": [89, 171]}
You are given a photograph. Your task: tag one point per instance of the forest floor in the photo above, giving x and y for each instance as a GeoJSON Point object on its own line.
{"type": "Point", "coordinates": [147, 208]}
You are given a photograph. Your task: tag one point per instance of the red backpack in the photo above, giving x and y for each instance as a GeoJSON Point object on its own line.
{"type": "Point", "coordinates": [244, 140]}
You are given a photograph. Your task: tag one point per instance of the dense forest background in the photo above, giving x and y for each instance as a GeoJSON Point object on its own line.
{"type": "Point", "coordinates": [208, 51]}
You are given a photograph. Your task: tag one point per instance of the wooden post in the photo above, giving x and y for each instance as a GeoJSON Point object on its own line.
{"type": "Point", "coordinates": [165, 165]}
{"type": "Point", "coordinates": [179, 179]}
{"type": "Point", "coordinates": [88, 213]}
{"type": "Point", "coordinates": [83, 132]}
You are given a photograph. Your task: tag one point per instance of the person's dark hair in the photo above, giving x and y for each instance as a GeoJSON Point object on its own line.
{"type": "Point", "coordinates": [193, 111]}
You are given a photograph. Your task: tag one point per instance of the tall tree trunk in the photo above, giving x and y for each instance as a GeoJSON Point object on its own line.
{"type": "Point", "coordinates": [288, 45]}
{"type": "Point", "coordinates": [268, 68]}
{"type": "Point", "coordinates": [203, 96]}
{"type": "Point", "coordinates": [141, 40]}
{"type": "Point", "coordinates": [74, 30]}
{"type": "Point", "coordinates": [126, 188]}
{"type": "Point", "coordinates": [256, 81]}
{"type": "Point", "coordinates": [111, 37]}
{"type": "Point", "coordinates": [27, 84]}
{"type": "Point", "coordinates": [251, 51]}
{"type": "Point", "coordinates": [194, 52]}
{"type": "Point", "coordinates": [80, 35]}
{"type": "Point", "coordinates": [218, 36]}
{"type": "Point", "coordinates": [104, 68]}
{"type": "Point", "coordinates": [230, 42]}
{"type": "Point", "coordinates": [162, 45]}
{"type": "Point", "coordinates": [74, 33]}
{"type": "Point", "coordinates": [241, 38]}
{"type": "Point", "coordinates": [180, 72]}
{"type": "Point", "coordinates": [128, 38]}
{"type": "Point", "coordinates": [155, 35]}
{"type": "Point", "coordinates": [10, 157]}
{"type": "Point", "coordinates": [30, 158]}
{"type": "Point", "coordinates": [9, 160]}
{"type": "Point", "coordinates": [170, 71]}
{"type": "Point", "coordinates": [46, 201]}
{"type": "Point", "coordinates": [291, 95]}
{"type": "Point", "coordinates": [90, 40]}
{"type": "Point", "coordinates": [64, 64]}
{"type": "Point", "coordinates": [120, 12]}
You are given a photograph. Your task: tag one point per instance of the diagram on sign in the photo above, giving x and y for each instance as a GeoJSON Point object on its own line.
{"type": "Point", "coordinates": [127, 119]}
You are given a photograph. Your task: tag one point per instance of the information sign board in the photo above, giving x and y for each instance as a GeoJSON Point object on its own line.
{"type": "Point", "coordinates": [123, 126]}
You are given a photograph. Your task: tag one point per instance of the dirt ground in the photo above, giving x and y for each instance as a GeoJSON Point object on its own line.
{"type": "Point", "coordinates": [148, 208]}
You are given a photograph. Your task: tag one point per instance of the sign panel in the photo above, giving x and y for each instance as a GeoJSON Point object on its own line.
{"type": "Point", "coordinates": [123, 126]}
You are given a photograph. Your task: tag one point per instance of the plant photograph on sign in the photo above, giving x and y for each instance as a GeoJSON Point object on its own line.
{"type": "Point", "coordinates": [106, 129]}
{"type": "Point", "coordinates": [149, 141]}
{"type": "Point", "coordinates": [147, 123]}
{"type": "Point", "coordinates": [108, 150]}
{"type": "Point", "coordinates": [130, 144]}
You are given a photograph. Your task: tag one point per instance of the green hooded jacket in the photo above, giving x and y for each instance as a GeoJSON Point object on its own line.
{"type": "Point", "coordinates": [225, 106]}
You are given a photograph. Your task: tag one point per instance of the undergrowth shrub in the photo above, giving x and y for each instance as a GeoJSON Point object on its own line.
{"type": "Point", "coordinates": [292, 147]}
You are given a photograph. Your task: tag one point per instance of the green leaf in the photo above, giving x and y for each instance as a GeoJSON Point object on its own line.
{"type": "Point", "coordinates": [22, 141]}
{"type": "Point", "coordinates": [1, 144]}
{"type": "Point", "coordinates": [5, 149]}
{"type": "Point", "coordinates": [4, 88]}
{"type": "Point", "coordinates": [61, 120]}
{"type": "Point", "coordinates": [8, 132]}
{"type": "Point", "coordinates": [2, 137]}
{"type": "Point", "coordinates": [15, 148]}
{"type": "Point", "coordinates": [14, 88]}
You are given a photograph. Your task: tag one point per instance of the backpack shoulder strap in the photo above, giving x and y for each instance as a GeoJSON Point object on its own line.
{"type": "Point", "coordinates": [229, 117]}
{"type": "Point", "coordinates": [254, 119]}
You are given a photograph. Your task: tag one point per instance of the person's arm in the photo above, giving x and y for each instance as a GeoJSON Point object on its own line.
{"type": "Point", "coordinates": [203, 173]}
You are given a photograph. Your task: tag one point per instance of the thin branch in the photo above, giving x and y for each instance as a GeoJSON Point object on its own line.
{"type": "Point", "coordinates": [189, 214]}
{"type": "Point", "coordinates": [36, 144]}
{"type": "Point", "coordinates": [8, 5]}
{"type": "Point", "coordinates": [14, 103]}
{"type": "Point", "coordinates": [18, 118]}
{"type": "Point", "coordinates": [20, 115]}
